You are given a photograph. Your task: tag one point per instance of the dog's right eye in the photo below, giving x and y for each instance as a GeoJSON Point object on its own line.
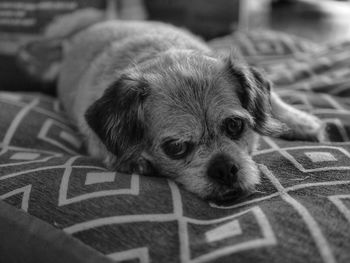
{"type": "Point", "coordinates": [176, 149]}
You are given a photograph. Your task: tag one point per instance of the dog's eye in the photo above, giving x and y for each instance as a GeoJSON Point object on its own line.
{"type": "Point", "coordinates": [233, 127]}
{"type": "Point", "coordinates": [176, 149]}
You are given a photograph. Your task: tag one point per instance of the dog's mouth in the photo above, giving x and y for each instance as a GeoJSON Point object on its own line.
{"type": "Point", "coordinates": [229, 197]}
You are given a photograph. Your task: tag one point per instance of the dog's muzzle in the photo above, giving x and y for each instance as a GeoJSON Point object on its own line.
{"type": "Point", "coordinates": [222, 170]}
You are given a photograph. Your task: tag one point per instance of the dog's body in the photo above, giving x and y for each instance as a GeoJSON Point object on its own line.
{"type": "Point", "coordinates": [154, 99]}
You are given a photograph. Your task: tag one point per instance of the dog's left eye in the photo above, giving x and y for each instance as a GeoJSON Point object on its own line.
{"type": "Point", "coordinates": [233, 127]}
{"type": "Point", "coordinates": [176, 149]}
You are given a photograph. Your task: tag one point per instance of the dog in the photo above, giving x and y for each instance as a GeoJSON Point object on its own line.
{"type": "Point", "coordinates": [155, 100]}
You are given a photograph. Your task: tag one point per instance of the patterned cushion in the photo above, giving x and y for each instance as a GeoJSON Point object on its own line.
{"type": "Point", "coordinates": [300, 212]}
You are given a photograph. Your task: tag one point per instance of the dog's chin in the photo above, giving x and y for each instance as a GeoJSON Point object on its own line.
{"type": "Point", "coordinates": [248, 178]}
{"type": "Point", "coordinates": [228, 196]}
{"type": "Point", "coordinates": [213, 191]}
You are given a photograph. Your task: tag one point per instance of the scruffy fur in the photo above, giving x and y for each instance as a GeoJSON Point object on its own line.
{"type": "Point", "coordinates": [133, 86]}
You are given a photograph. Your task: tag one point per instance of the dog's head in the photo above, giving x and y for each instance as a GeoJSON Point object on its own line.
{"type": "Point", "coordinates": [190, 117]}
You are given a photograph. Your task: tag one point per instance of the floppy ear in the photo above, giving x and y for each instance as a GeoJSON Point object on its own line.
{"type": "Point", "coordinates": [255, 93]}
{"type": "Point", "coordinates": [118, 116]}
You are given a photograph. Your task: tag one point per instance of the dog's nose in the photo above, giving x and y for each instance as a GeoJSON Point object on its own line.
{"type": "Point", "coordinates": [222, 170]}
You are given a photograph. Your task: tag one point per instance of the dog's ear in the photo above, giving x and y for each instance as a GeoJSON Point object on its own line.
{"type": "Point", "coordinates": [118, 116]}
{"type": "Point", "coordinates": [254, 92]}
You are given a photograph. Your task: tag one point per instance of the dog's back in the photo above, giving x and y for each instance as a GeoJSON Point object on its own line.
{"type": "Point", "coordinates": [98, 55]}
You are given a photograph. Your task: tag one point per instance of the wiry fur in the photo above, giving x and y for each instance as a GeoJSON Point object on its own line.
{"type": "Point", "coordinates": [133, 85]}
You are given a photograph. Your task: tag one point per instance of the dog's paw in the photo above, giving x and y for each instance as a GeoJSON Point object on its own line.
{"type": "Point", "coordinates": [322, 133]}
{"type": "Point", "coordinates": [307, 128]}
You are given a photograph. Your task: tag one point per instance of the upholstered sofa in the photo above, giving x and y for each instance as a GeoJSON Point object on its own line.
{"type": "Point", "coordinates": [60, 205]}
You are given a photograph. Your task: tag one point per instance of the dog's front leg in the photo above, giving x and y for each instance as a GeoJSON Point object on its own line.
{"type": "Point", "coordinates": [302, 125]}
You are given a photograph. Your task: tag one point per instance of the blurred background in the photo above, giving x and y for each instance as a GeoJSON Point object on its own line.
{"type": "Point", "coordinates": [321, 21]}
{"type": "Point", "coordinates": [317, 20]}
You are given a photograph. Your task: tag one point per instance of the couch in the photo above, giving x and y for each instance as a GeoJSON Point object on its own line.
{"type": "Point", "coordinates": [60, 205]}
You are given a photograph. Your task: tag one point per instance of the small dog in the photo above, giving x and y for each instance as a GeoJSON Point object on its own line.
{"type": "Point", "coordinates": [153, 99]}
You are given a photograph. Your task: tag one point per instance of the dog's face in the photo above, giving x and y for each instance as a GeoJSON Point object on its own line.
{"type": "Point", "coordinates": [190, 117]}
